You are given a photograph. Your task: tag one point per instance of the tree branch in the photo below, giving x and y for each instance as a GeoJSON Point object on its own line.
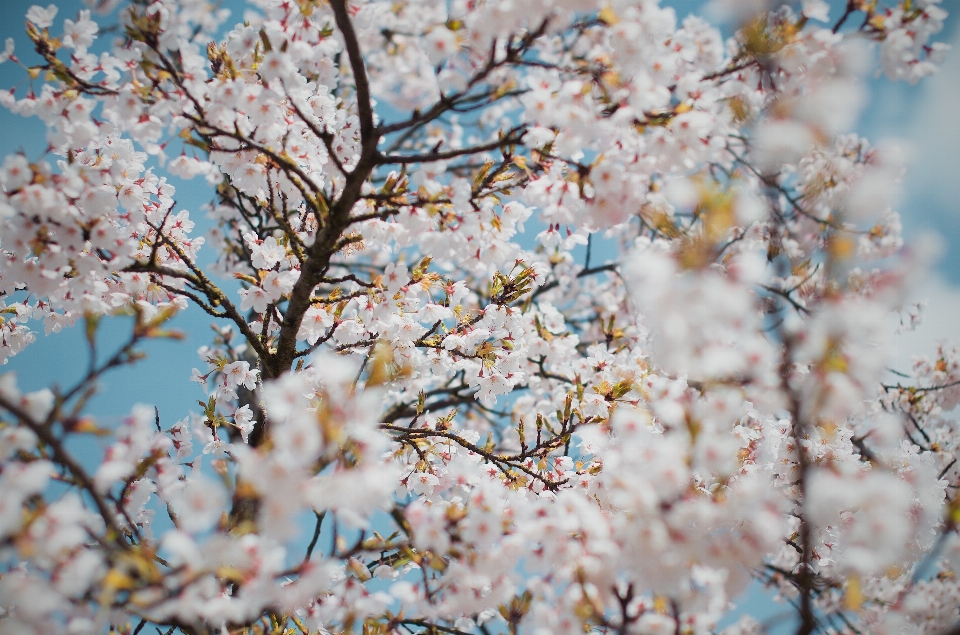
{"type": "Point", "coordinates": [365, 110]}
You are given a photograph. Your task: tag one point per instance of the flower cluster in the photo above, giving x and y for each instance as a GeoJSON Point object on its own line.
{"type": "Point", "coordinates": [547, 317]}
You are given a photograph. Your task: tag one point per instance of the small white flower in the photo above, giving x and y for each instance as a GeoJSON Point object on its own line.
{"type": "Point", "coordinates": [243, 419]}
{"type": "Point", "coordinates": [42, 18]}
{"type": "Point", "coordinates": [79, 35]}
{"type": "Point", "coordinates": [7, 50]}
{"type": "Point", "coordinates": [199, 503]}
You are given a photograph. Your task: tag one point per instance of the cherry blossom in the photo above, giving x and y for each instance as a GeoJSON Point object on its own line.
{"type": "Point", "coordinates": [541, 317]}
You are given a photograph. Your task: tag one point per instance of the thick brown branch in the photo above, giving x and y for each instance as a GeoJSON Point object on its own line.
{"type": "Point", "coordinates": [365, 110]}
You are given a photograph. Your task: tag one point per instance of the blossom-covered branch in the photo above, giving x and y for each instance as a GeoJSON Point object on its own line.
{"type": "Point", "coordinates": [541, 317]}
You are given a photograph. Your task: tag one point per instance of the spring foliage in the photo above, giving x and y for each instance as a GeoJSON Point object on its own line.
{"type": "Point", "coordinates": [540, 316]}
